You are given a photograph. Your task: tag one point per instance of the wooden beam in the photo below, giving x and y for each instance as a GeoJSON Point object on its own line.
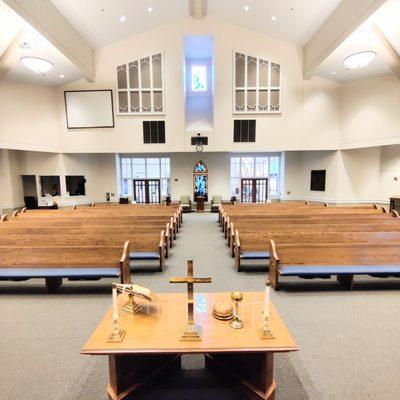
{"type": "Point", "coordinates": [198, 8]}
{"type": "Point", "coordinates": [49, 22]}
{"type": "Point", "coordinates": [347, 17]}
{"type": "Point", "coordinates": [387, 52]}
{"type": "Point", "coordinates": [8, 57]}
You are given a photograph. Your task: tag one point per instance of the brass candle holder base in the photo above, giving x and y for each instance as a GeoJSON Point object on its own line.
{"type": "Point", "coordinates": [131, 307]}
{"type": "Point", "coordinates": [236, 323]}
{"type": "Point", "coordinates": [264, 331]}
{"type": "Point", "coordinates": [117, 334]}
{"type": "Point", "coordinates": [192, 333]}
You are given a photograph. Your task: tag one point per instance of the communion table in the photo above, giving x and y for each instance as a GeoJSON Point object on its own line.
{"type": "Point", "coordinates": [152, 343]}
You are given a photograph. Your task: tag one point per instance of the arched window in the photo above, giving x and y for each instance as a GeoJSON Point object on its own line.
{"type": "Point", "coordinates": [200, 180]}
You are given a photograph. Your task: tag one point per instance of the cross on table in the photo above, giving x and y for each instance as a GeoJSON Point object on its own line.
{"type": "Point", "coordinates": [194, 331]}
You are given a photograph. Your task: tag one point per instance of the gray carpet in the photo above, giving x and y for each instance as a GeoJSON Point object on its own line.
{"type": "Point", "coordinates": [349, 341]}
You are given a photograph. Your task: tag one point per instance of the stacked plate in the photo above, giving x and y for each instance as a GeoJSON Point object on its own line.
{"type": "Point", "coordinates": [223, 311]}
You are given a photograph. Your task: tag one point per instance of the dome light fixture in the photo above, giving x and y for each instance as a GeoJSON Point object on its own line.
{"type": "Point", "coordinates": [36, 64]}
{"type": "Point", "coordinates": [359, 60]}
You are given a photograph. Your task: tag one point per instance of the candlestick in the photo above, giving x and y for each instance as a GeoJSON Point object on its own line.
{"type": "Point", "coordinates": [267, 299]}
{"type": "Point", "coordinates": [117, 334]}
{"type": "Point", "coordinates": [115, 301]}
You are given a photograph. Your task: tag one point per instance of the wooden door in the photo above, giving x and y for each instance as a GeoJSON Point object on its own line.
{"type": "Point", "coordinates": [147, 191]}
{"type": "Point", "coordinates": [254, 190]}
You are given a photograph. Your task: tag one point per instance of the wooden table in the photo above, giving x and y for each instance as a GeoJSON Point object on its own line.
{"type": "Point", "coordinates": [152, 343]}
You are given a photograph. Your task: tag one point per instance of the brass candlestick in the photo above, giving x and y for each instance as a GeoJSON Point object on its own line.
{"type": "Point", "coordinates": [117, 334]}
{"type": "Point", "coordinates": [193, 331]}
{"type": "Point", "coordinates": [264, 331]}
{"type": "Point", "coordinates": [236, 322]}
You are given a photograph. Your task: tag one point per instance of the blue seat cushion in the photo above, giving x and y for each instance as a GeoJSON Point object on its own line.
{"type": "Point", "coordinates": [295, 270]}
{"type": "Point", "coordinates": [254, 255]}
{"type": "Point", "coordinates": [81, 273]}
{"type": "Point", "coordinates": [144, 256]}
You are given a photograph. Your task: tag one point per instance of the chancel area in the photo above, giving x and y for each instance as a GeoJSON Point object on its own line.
{"type": "Point", "coordinates": [199, 199]}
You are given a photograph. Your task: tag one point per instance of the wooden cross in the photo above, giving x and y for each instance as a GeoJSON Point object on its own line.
{"type": "Point", "coordinates": [194, 331]}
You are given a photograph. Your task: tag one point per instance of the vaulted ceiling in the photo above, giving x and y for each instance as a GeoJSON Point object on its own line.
{"type": "Point", "coordinates": [66, 32]}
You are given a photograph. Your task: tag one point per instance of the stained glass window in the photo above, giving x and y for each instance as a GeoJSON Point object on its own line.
{"type": "Point", "coordinates": [199, 78]}
{"type": "Point", "coordinates": [201, 185]}
{"type": "Point", "coordinates": [200, 167]}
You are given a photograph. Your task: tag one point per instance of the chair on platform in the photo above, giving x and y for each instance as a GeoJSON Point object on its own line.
{"type": "Point", "coordinates": [215, 202]}
{"type": "Point", "coordinates": [186, 204]}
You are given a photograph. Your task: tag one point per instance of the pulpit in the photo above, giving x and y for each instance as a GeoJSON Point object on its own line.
{"type": "Point", "coordinates": [200, 203]}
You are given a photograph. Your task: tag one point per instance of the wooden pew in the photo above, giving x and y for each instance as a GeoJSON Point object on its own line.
{"type": "Point", "coordinates": [262, 224]}
{"type": "Point", "coordinates": [142, 246]}
{"type": "Point", "coordinates": [260, 242]}
{"type": "Point", "coordinates": [55, 263]}
{"type": "Point", "coordinates": [326, 259]}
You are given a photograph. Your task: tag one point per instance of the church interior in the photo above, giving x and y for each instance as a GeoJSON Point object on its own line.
{"type": "Point", "coordinates": [199, 198]}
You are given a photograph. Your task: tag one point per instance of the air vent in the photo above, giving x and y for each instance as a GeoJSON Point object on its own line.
{"type": "Point", "coordinates": [244, 130]}
{"type": "Point", "coordinates": [153, 132]}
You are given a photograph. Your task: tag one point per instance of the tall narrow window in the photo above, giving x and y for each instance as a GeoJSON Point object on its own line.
{"type": "Point", "coordinates": [200, 181]}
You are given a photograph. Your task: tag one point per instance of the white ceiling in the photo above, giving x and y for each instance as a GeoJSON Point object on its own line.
{"type": "Point", "coordinates": [40, 47]}
{"type": "Point", "coordinates": [387, 19]}
{"type": "Point", "coordinates": [100, 28]}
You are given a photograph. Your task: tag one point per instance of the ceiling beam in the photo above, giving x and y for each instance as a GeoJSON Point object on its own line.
{"type": "Point", "coordinates": [198, 8]}
{"type": "Point", "coordinates": [347, 18]}
{"type": "Point", "coordinates": [49, 22]}
{"type": "Point", "coordinates": [8, 58]}
{"type": "Point", "coordinates": [387, 52]}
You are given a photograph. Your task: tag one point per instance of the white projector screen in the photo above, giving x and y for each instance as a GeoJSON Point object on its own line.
{"type": "Point", "coordinates": [89, 109]}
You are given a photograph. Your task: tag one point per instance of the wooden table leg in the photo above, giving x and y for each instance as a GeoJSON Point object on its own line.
{"type": "Point", "coordinates": [129, 373]}
{"type": "Point", "coordinates": [253, 372]}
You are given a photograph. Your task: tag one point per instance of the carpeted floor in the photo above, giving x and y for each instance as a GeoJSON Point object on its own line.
{"type": "Point", "coordinates": [349, 341]}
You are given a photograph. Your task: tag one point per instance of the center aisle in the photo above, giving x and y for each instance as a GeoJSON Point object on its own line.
{"type": "Point", "coordinates": [201, 240]}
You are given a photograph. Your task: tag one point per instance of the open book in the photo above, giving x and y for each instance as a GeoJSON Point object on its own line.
{"type": "Point", "coordinates": [137, 290]}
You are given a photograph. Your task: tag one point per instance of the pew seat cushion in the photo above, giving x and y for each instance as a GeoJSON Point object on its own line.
{"type": "Point", "coordinates": [254, 255]}
{"type": "Point", "coordinates": [56, 272]}
{"type": "Point", "coordinates": [144, 256]}
{"type": "Point", "coordinates": [296, 270]}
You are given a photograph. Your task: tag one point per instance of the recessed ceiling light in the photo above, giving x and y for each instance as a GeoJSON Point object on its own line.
{"type": "Point", "coordinates": [246, 8]}
{"type": "Point", "coordinates": [273, 18]}
{"type": "Point", "coordinates": [38, 65]}
{"type": "Point", "coordinates": [61, 76]}
{"type": "Point", "coordinates": [333, 72]}
{"type": "Point", "coordinates": [149, 9]}
{"type": "Point", "coordinates": [359, 60]}
{"type": "Point", "coordinates": [122, 18]}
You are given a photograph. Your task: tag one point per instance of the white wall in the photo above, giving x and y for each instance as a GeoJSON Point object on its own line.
{"type": "Point", "coordinates": [29, 117]}
{"type": "Point", "coordinates": [219, 174]}
{"type": "Point", "coordinates": [11, 190]}
{"type": "Point", "coordinates": [99, 170]}
{"type": "Point", "coordinates": [298, 167]}
{"type": "Point", "coordinates": [370, 112]}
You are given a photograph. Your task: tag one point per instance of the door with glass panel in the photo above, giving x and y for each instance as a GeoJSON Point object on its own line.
{"type": "Point", "coordinates": [254, 190]}
{"type": "Point", "coordinates": [147, 191]}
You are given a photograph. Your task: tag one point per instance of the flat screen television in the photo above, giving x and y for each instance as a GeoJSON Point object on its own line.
{"type": "Point", "coordinates": [318, 178]}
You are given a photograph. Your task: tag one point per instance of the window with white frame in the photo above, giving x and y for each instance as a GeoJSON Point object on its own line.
{"type": "Point", "coordinates": [260, 166]}
{"type": "Point", "coordinates": [131, 168]}
{"type": "Point", "coordinates": [140, 86]}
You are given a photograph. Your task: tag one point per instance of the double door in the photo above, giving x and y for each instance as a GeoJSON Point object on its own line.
{"type": "Point", "coordinates": [254, 190]}
{"type": "Point", "coordinates": [147, 191]}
